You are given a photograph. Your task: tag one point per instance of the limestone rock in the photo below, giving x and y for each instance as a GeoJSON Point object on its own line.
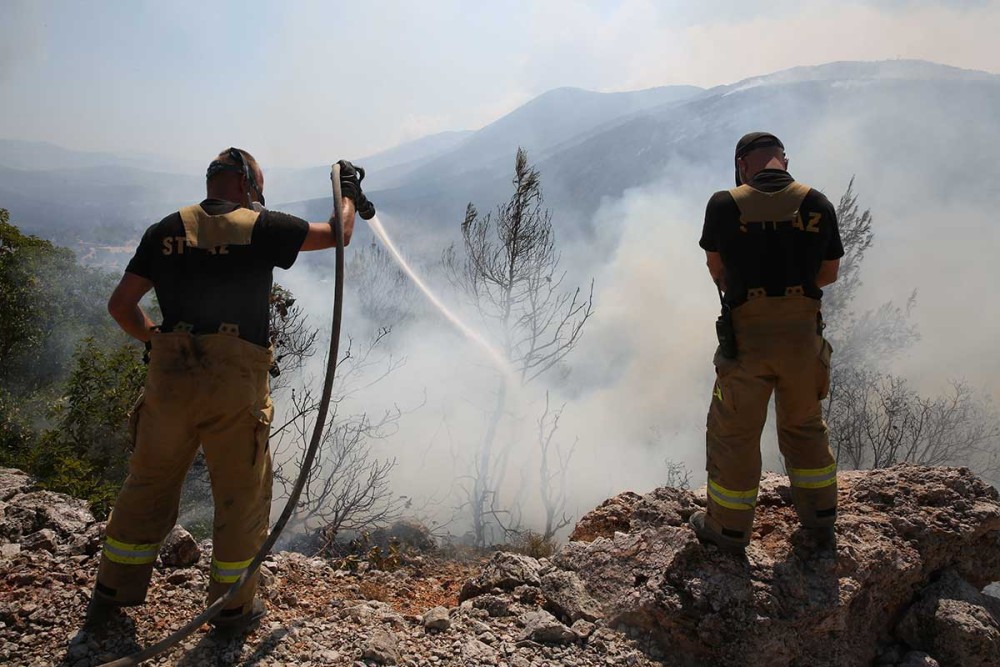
{"type": "Point", "coordinates": [382, 648]}
{"type": "Point", "coordinates": [89, 542]}
{"type": "Point", "coordinates": [43, 540]}
{"type": "Point", "coordinates": [505, 571]}
{"type": "Point", "coordinates": [493, 605]}
{"type": "Point", "coordinates": [583, 629]}
{"type": "Point", "coordinates": [179, 549]}
{"type": "Point", "coordinates": [629, 512]}
{"type": "Point", "coordinates": [566, 596]}
{"type": "Point", "coordinates": [475, 652]}
{"type": "Point", "coordinates": [437, 619]}
{"type": "Point", "coordinates": [14, 482]}
{"type": "Point", "coordinates": [610, 517]}
{"type": "Point", "coordinates": [30, 512]}
{"type": "Point", "coordinates": [529, 595]}
{"type": "Point", "coordinates": [897, 527]}
{"type": "Point", "coordinates": [954, 623]}
{"type": "Point", "coordinates": [543, 627]}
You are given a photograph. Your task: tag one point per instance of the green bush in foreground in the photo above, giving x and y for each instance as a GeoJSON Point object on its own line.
{"type": "Point", "coordinates": [86, 453]}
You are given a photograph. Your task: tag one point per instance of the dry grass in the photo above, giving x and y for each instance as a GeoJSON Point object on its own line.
{"type": "Point", "coordinates": [530, 543]}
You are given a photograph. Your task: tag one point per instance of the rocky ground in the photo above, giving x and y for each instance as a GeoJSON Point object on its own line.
{"type": "Point", "coordinates": [632, 587]}
{"type": "Point", "coordinates": [317, 614]}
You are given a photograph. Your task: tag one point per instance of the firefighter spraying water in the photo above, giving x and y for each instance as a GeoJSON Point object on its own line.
{"type": "Point", "coordinates": [211, 266]}
{"type": "Point", "coordinates": [207, 386]}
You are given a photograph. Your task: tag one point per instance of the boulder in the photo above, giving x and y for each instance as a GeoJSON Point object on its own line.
{"type": "Point", "coordinates": [583, 629]}
{"type": "Point", "coordinates": [43, 540]}
{"type": "Point", "coordinates": [954, 623]}
{"type": "Point", "coordinates": [505, 571]}
{"type": "Point", "coordinates": [179, 549]}
{"type": "Point", "coordinates": [382, 648]}
{"type": "Point", "coordinates": [544, 628]}
{"type": "Point", "coordinates": [30, 512]}
{"type": "Point", "coordinates": [494, 605]}
{"type": "Point", "coordinates": [436, 619]}
{"type": "Point", "coordinates": [612, 516]}
{"type": "Point", "coordinates": [89, 542]}
{"type": "Point", "coordinates": [475, 652]}
{"type": "Point", "coordinates": [628, 512]}
{"type": "Point", "coordinates": [786, 603]}
{"type": "Point", "coordinates": [567, 597]}
{"type": "Point", "coordinates": [14, 482]}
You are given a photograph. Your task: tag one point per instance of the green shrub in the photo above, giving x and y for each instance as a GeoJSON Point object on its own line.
{"type": "Point", "coordinates": [86, 453]}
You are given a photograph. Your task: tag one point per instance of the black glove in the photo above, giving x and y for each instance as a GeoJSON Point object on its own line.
{"type": "Point", "coordinates": [350, 180]}
{"type": "Point", "coordinates": [350, 187]}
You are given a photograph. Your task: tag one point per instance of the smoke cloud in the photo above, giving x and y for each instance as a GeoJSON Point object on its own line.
{"type": "Point", "coordinates": [638, 386]}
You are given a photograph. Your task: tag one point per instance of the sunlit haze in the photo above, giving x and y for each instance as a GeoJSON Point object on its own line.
{"type": "Point", "coordinates": [305, 83]}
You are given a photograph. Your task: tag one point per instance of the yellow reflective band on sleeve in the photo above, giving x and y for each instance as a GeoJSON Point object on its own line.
{"type": "Point", "coordinates": [813, 478]}
{"type": "Point", "coordinates": [227, 572]}
{"type": "Point", "coordinates": [734, 500]}
{"type": "Point", "coordinates": [130, 554]}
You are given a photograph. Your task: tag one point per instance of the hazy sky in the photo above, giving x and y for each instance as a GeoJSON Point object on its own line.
{"type": "Point", "coordinates": [302, 83]}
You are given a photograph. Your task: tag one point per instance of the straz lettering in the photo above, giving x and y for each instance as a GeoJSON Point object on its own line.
{"type": "Point", "coordinates": [175, 245]}
{"type": "Point", "coordinates": [810, 225]}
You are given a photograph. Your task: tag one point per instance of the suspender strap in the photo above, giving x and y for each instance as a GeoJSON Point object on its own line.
{"type": "Point", "coordinates": [209, 231]}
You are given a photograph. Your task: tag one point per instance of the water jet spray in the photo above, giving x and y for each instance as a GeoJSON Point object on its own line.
{"type": "Point", "coordinates": [492, 352]}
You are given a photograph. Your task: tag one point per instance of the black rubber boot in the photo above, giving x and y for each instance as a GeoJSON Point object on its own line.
{"type": "Point", "coordinates": [707, 535]}
{"type": "Point", "coordinates": [229, 624]}
{"type": "Point", "coordinates": [101, 612]}
{"type": "Point", "coordinates": [825, 538]}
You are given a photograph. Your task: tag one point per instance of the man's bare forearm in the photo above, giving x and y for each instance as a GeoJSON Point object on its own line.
{"type": "Point", "coordinates": [320, 234]}
{"type": "Point", "coordinates": [135, 322]}
{"type": "Point", "coordinates": [716, 269]}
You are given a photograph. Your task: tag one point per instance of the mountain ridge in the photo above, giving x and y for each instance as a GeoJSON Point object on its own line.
{"type": "Point", "coordinates": [590, 145]}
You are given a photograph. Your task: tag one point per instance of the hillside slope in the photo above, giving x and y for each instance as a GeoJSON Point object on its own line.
{"type": "Point", "coordinates": [901, 588]}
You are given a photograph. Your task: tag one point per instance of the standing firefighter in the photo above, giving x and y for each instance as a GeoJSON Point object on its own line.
{"type": "Point", "coordinates": [207, 385]}
{"type": "Point", "coordinates": [772, 243]}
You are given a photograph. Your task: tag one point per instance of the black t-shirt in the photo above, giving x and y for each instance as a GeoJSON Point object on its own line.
{"type": "Point", "coordinates": [769, 255]}
{"type": "Point", "coordinates": [229, 284]}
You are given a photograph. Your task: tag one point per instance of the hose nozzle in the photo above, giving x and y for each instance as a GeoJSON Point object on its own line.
{"type": "Point", "coordinates": [350, 176]}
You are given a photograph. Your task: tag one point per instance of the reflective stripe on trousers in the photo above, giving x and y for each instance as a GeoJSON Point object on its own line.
{"type": "Point", "coordinates": [813, 478]}
{"type": "Point", "coordinates": [734, 500]}
{"type": "Point", "coordinates": [130, 554]}
{"type": "Point", "coordinates": [227, 572]}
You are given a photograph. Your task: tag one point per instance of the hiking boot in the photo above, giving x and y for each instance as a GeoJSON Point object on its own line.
{"type": "Point", "coordinates": [825, 537]}
{"type": "Point", "coordinates": [101, 612]}
{"type": "Point", "coordinates": [709, 536]}
{"type": "Point", "coordinates": [231, 623]}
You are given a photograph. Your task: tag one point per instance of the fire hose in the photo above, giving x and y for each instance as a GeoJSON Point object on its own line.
{"type": "Point", "coordinates": [336, 222]}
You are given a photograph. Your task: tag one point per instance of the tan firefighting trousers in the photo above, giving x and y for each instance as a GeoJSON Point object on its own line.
{"type": "Point", "coordinates": [780, 351]}
{"type": "Point", "coordinates": [208, 390]}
